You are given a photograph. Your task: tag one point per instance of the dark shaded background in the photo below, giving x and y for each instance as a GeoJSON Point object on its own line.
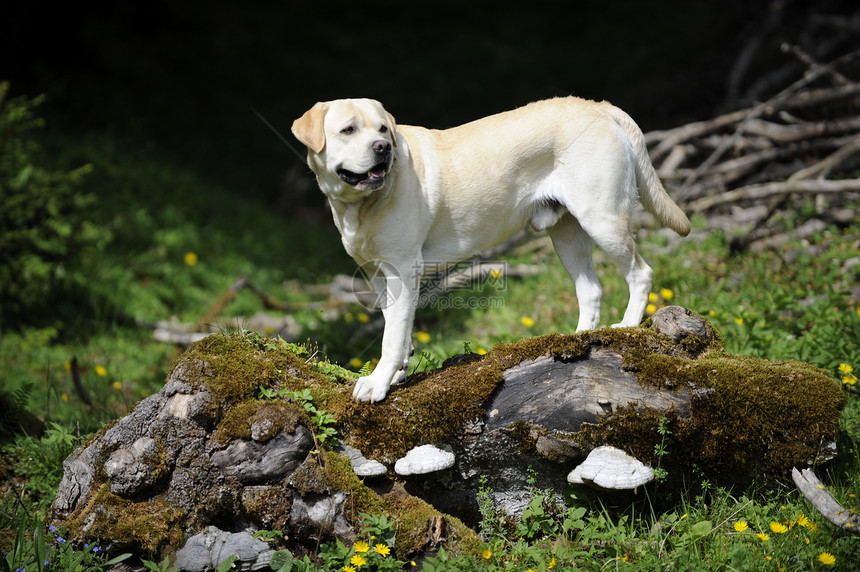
{"type": "Point", "coordinates": [180, 78]}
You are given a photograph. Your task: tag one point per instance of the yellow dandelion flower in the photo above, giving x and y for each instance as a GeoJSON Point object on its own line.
{"type": "Point", "coordinates": [486, 554]}
{"type": "Point", "coordinates": [357, 560]}
{"type": "Point", "coordinates": [363, 318]}
{"type": "Point", "coordinates": [685, 515]}
{"type": "Point", "coordinates": [763, 537]}
{"type": "Point", "coordinates": [739, 321]}
{"type": "Point", "coordinates": [422, 337]}
{"type": "Point", "coordinates": [64, 396]}
{"type": "Point", "coordinates": [858, 311]}
{"type": "Point", "coordinates": [666, 293]}
{"type": "Point", "coordinates": [712, 314]}
{"type": "Point", "coordinates": [778, 528]}
{"type": "Point", "coordinates": [652, 297]}
{"type": "Point", "coordinates": [382, 550]}
{"type": "Point", "coordinates": [826, 558]}
{"type": "Point", "coordinates": [551, 564]}
{"type": "Point", "coordinates": [101, 371]}
{"type": "Point", "coordinates": [849, 379]}
{"type": "Point", "coordinates": [495, 273]}
{"type": "Point", "coordinates": [801, 520]}
{"type": "Point", "coordinates": [355, 362]}
{"type": "Point", "coordinates": [845, 368]}
{"type": "Point", "coordinates": [482, 351]}
{"type": "Point", "coordinates": [361, 546]}
{"type": "Point", "coordinates": [527, 322]}
{"type": "Point", "coordinates": [741, 526]}
{"type": "Point", "coordinates": [190, 258]}
{"type": "Point", "coordinates": [117, 385]}
{"type": "Point", "coordinates": [650, 309]}
{"type": "Point", "coordinates": [348, 569]}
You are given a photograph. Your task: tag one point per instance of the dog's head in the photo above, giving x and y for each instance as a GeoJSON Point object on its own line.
{"type": "Point", "coordinates": [350, 145]}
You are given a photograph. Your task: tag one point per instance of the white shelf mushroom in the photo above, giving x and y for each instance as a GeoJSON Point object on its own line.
{"type": "Point", "coordinates": [610, 468]}
{"type": "Point", "coordinates": [362, 466]}
{"type": "Point", "coordinates": [370, 469]}
{"type": "Point", "coordinates": [424, 459]}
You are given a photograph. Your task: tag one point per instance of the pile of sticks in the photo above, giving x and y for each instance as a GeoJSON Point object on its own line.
{"type": "Point", "coordinates": [801, 142]}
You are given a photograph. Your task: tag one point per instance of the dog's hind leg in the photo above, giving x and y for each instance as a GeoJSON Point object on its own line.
{"type": "Point", "coordinates": [574, 247]}
{"type": "Point", "coordinates": [612, 234]}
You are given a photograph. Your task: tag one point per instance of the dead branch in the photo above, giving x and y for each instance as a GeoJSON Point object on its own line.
{"type": "Point", "coordinates": [817, 495]}
{"type": "Point", "coordinates": [776, 188]}
{"type": "Point", "coordinates": [792, 133]}
{"type": "Point", "coordinates": [803, 139]}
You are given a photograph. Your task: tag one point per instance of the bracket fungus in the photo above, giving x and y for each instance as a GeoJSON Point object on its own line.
{"type": "Point", "coordinates": [424, 459]}
{"type": "Point", "coordinates": [362, 466]}
{"type": "Point", "coordinates": [610, 468]}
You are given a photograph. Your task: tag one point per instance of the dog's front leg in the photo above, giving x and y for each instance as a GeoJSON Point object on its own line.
{"type": "Point", "coordinates": [398, 294]}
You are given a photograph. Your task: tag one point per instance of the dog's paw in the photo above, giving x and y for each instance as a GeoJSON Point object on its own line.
{"type": "Point", "coordinates": [370, 388]}
{"type": "Point", "coordinates": [624, 325]}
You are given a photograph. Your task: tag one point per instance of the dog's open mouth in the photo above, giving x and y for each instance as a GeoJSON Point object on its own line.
{"type": "Point", "coordinates": [368, 180]}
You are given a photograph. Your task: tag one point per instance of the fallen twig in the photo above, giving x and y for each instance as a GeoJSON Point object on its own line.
{"type": "Point", "coordinates": [817, 495]}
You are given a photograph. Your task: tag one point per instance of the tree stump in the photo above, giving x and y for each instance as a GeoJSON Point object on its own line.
{"type": "Point", "coordinates": [208, 457]}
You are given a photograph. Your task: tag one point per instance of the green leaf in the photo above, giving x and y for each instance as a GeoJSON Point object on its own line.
{"type": "Point", "coordinates": [282, 561]}
{"type": "Point", "coordinates": [702, 528]}
{"type": "Point", "coordinates": [227, 564]}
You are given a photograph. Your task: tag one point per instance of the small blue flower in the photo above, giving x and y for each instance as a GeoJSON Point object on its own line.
{"type": "Point", "coordinates": [47, 563]}
{"type": "Point", "coordinates": [61, 540]}
{"type": "Point", "coordinates": [52, 528]}
{"type": "Point", "coordinates": [96, 548]}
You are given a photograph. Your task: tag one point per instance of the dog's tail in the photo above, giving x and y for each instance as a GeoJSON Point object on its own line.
{"type": "Point", "coordinates": [652, 195]}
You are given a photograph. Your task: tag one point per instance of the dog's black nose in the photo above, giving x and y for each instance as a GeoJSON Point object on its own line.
{"type": "Point", "coordinates": [381, 146]}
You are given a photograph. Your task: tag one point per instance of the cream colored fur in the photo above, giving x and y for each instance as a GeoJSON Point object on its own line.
{"type": "Point", "coordinates": [573, 167]}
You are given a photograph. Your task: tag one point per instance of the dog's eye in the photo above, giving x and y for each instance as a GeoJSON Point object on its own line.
{"type": "Point", "coordinates": [383, 129]}
{"type": "Point", "coordinates": [348, 130]}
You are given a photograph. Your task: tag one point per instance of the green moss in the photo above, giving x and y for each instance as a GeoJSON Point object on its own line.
{"type": "Point", "coordinates": [237, 423]}
{"type": "Point", "coordinates": [310, 477]}
{"type": "Point", "coordinates": [269, 507]}
{"type": "Point", "coordinates": [412, 515]}
{"type": "Point", "coordinates": [415, 517]}
{"type": "Point", "coordinates": [152, 527]}
{"type": "Point", "coordinates": [341, 477]}
{"type": "Point", "coordinates": [747, 415]}
{"type": "Point", "coordinates": [435, 405]}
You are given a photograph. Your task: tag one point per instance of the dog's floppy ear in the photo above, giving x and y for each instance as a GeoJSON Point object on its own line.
{"type": "Point", "coordinates": [392, 125]}
{"type": "Point", "coordinates": [309, 127]}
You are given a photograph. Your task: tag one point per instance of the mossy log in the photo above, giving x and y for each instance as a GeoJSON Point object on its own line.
{"type": "Point", "coordinates": [206, 456]}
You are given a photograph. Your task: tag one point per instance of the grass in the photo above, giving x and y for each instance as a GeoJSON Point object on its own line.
{"type": "Point", "coordinates": [791, 303]}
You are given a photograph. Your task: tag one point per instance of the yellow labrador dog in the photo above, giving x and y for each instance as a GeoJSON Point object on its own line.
{"type": "Point", "coordinates": [405, 198]}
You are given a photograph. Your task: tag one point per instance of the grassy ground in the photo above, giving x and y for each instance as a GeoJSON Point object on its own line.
{"type": "Point", "coordinates": [172, 243]}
